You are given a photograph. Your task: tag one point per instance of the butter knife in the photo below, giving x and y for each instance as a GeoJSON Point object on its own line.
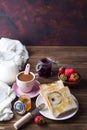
{"type": "Point", "coordinates": [28, 116]}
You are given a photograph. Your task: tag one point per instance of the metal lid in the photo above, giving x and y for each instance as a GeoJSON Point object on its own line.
{"type": "Point", "coordinates": [19, 107]}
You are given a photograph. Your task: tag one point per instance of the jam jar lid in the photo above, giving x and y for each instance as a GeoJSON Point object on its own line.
{"type": "Point", "coordinates": [19, 107]}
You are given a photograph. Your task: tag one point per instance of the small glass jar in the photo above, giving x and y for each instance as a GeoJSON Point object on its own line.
{"type": "Point", "coordinates": [26, 100]}
{"type": "Point", "coordinates": [44, 67]}
{"type": "Point", "coordinates": [23, 105]}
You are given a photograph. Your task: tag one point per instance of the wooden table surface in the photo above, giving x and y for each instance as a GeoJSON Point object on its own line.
{"type": "Point", "coordinates": [75, 56]}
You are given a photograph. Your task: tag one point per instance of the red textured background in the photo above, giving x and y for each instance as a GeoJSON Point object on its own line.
{"type": "Point", "coordinates": [44, 22]}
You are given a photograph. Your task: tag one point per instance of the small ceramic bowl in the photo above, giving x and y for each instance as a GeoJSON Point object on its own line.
{"type": "Point", "coordinates": [70, 83]}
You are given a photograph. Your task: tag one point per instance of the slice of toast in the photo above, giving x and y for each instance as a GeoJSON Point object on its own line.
{"type": "Point", "coordinates": [57, 84]}
{"type": "Point", "coordinates": [57, 98]}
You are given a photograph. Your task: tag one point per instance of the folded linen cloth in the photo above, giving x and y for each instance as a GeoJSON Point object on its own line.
{"type": "Point", "coordinates": [7, 95]}
{"type": "Point", "coordinates": [11, 49]}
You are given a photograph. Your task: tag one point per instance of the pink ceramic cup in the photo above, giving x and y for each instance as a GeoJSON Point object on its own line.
{"type": "Point", "coordinates": [26, 86]}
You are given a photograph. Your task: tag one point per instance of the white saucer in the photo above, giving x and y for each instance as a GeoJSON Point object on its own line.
{"type": "Point", "coordinates": [45, 112]}
{"type": "Point", "coordinates": [33, 93]}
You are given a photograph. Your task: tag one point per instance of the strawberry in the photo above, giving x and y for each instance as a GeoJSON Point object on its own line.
{"type": "Point", "coordinates": [39, 120]}
{"type": "Point", "coordinates": [63, 77]}
{"type": "Point", "coordinates": [61, 70]}
{"type": "Point", "coordinates": [74, 77]}
{"type": "Point", "coordinates": [69, 71]}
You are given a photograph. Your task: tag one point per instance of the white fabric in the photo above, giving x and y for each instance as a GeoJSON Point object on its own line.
{"type": "Point", "coordinates": [7, 95]}
{"type": "Point", "coordinates": [13, 56]}
{"type": "Point", "coordinates": [13, 50]}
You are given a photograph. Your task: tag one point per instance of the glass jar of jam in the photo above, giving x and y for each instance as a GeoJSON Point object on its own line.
{"type": "Point", "coordinates": [44, 67]}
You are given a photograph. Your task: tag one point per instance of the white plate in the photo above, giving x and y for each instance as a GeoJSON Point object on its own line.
{"type": "Point", "coordinates": [45, 112]}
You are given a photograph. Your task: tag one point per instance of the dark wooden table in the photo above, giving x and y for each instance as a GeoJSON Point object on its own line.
{"type": "Point", "coordinates": [75, 56]}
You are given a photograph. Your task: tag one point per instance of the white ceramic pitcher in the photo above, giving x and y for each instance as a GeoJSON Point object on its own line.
{"type": "Point", "coordinates": [8, 71]}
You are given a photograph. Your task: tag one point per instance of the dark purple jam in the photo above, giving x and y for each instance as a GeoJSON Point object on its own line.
{"type": "Point", "coordinates": [45, 68]}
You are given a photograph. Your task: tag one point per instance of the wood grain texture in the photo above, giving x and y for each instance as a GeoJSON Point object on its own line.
{"type": "Point", "coordinates": [70, 55]}
{"type": "Point", "coordinates": [44, 22]}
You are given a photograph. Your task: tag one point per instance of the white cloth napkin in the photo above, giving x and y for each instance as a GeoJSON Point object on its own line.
{"type": "Point", "coordinates": [11, 49]}
{"type": "Point", "coordinates": [7, 95]}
